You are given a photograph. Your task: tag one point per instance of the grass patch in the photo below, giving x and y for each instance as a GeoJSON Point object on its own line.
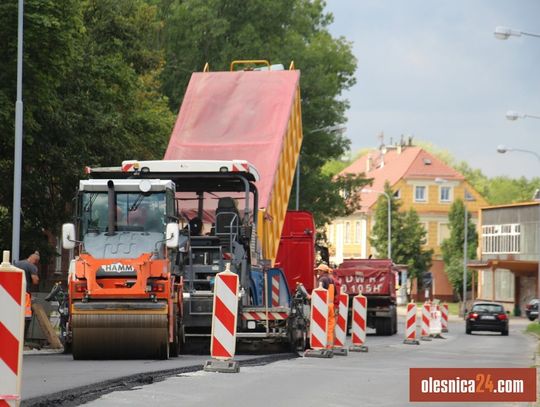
{"type": "Point", "coordinates": [534, 327]}
{"type": "Point", "coordinates": [453, 308]}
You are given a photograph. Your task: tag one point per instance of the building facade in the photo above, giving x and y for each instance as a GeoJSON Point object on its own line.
{"type": "Point", "coordinates": [419, 180]}
{"type": "Point", "coordinates": [510, 249]}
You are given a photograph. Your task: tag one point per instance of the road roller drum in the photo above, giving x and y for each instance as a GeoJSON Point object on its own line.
{"type": "Point", "coordinates": [108, 331]}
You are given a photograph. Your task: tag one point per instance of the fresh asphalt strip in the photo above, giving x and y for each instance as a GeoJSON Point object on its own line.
{"type": "Point", "coordinates": [84, 394]}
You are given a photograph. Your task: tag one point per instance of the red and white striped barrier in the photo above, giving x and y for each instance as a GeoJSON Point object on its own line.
{"type": "Point", "coordinates": [12, 295]}
{"type": "Point", "coordinates": [275, 290]}
{"type": "Point", "coordinates": [435, 325]}
{"type": "Point", "coordinates": [224, 317]}
{"type": "Point", "coordinates": [426, 318]}
{"type": "Point", "coordinates": [359, 315]}
{"type": "Point", "coordinates": [444, 315]}
{"type": "Point", "coordinates": [261, 316]}
{"type": "Point", "coordinates": [410, 324]}
{"type": "Point", "coordinates": [341, 325]}
{"type": "Point", "coordinates": [319, 325]}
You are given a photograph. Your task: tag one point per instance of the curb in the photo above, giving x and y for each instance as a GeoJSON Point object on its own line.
{"type": "Point", "coordinates": [84, 394]}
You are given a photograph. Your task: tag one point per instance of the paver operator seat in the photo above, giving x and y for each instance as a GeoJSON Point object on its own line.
{"type": "Point", "coordinates": [227, 222]}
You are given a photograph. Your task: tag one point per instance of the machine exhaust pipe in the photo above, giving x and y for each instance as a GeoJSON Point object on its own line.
{"type": "Point", "coordinates": [112, 208]}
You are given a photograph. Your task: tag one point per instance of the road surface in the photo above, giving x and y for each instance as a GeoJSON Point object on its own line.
{"type": "Point", "coordinates": [376, 378]}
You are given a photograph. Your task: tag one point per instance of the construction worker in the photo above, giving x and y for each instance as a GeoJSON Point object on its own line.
{"type": "Point", "coordinates": [325, 279]}
{"type": "Point", "coordinates": [29, 266]}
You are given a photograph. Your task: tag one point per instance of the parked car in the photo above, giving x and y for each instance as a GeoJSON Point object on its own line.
{"type": "Point", "coordinates": [531, 309]}
{"type": "Point", "coordinates": [487, 316]}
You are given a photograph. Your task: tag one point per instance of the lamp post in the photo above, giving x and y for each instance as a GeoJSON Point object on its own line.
{"type": "Point", "coordinates": [336, 128]}
{"type": "Point", "coordinates": [366, 190]}
{"type": "Point", "coordinates": [503, 33]}
{"type": "Point", "coordinates": [513, 115]}
{"type": "Point", "coordinates": [17, 164]}
{"type": "Point", "coordinates": [502, 149]}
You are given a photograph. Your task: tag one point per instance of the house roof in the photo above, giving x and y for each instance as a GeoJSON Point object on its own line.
{"type": "Point", "coordinates": [410, 163]}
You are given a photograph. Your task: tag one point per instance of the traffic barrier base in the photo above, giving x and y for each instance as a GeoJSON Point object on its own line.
{"type": "Point", "coordinates": [222, 366]}
{"type": "Point", "coordinates": [340, 351]}
{"type": "Point", "coordinates": [319, 353]}
{"type": "Point", "coordinates": [358, 348]}
{"type": "Point", "coordinates": [411, 342]}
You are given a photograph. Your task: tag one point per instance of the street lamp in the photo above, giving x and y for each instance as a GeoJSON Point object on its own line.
{"type": "Point", "coordinates": [503, 33]}
{"type": "Point", "coordinates": [367, 190]}
{"type": "Point", "coordinates": [335, 128]}
{"type": "Point", "coordinates": [513, 115]}
{"type": "Point", "coordinates": [502, 149]}
{"type": "Point", "coordinates": [17, 162]}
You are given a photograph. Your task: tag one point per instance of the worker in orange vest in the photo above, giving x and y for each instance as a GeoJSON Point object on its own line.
{"type": "Point", "coordinates": [325, 279]}
{"type": "Point", "coordinates": [29, 266]}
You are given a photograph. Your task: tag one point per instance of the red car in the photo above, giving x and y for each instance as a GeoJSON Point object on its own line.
{"type": "Point", "coordinates": [487, 316]}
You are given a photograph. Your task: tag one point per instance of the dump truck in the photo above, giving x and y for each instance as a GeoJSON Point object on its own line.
{"type": "Point", "coordinates": [152, 235]}
{"type": "Point", "coordinates": [376, 279]}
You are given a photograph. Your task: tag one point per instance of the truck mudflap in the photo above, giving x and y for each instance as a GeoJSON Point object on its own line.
{"type": "Point", "coordinates": [120, 330]}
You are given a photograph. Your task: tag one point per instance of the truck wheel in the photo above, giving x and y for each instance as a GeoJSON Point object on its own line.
{"type": "Point", "coordinates": [394, 321]}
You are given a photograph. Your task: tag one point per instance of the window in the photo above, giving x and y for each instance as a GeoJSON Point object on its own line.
{"type": "Point", "coordinates": [501, 238]}
{"type": "Point", "coordinates": [445, 194]}
{"type": "Point", "coordinates": [357, 232]}
{"type": "Point", "coordinates": [468, 196]}
{"type": "Point", "coordinates": [420, 194]}
{"type": "Point", "coordinates": [397, 194]}
{"type": "Point", "coordinates": [347, 232]}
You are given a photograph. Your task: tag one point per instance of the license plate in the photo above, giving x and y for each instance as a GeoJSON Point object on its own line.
{"type": "Point", "coordinates": [488, 317]}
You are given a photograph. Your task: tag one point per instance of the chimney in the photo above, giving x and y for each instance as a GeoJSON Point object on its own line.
{"type": "Point", "coordinates": [369, 163]}
{"type": "Point", "coordinates": [399, 147]}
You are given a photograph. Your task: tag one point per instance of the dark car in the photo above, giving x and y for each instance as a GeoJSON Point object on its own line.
{"type": "Point", "coordinates": [487, 316]}
{"type": "Point", "coordinates": [531, 309]}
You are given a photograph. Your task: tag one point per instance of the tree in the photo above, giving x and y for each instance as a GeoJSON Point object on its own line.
{"type": "Point", "coordinates": [408, 236]}
{"type": "Point", "coordinates": [92, 97]}
{"type": "Point", "coordinates": [452, 248]}
{"type": "Point", "coordinates": [411, 244]}
{"type": "Point", "coordinates": [379, 233]}
{"type": "Point", "coordinates": [219, 31]}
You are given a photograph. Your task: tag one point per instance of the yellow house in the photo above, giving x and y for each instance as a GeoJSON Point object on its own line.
{"type": "Point", "coordinates": [420, 181]}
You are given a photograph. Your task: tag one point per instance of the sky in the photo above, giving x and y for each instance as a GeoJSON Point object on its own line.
{"type": "Point", "coordinates": [435, 71]}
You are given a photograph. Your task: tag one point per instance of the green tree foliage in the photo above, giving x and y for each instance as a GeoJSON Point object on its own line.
{"type": "Point", "coordinates": [219, 31]}
{"type": "Point", "coordinates": [452, 248]}
{"type": "Point", "coordinates": [91, 96]}
{"type": "Point", "coordinates": [408, 237]}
